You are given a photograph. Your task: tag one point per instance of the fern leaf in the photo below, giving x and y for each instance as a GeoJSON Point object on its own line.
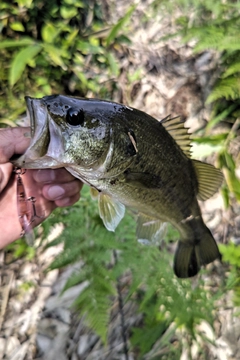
{"type": "Point", "coordinates": [226, 88]}
{"type": "Point", "coordinates": [94, 302]}
{"type": "Point", "coordinates": [232, 69]}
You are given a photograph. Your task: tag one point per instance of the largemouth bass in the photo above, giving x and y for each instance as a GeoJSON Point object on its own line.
{"type": "Point", "coordinates": [130, 160]}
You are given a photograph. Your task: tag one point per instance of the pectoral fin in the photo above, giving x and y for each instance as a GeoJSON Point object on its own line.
{"type": "Point", "coordinates": [110, 210]}
{"type": "Point", "coordinates": [94, 193]}
{"type": "Point", "coordinates": [150, 230]}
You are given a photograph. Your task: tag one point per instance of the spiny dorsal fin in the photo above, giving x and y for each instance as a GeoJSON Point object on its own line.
{"type": "Point", "coordinates": [176, 129]}
{"type": "Point", "coordinates": [209, 179]}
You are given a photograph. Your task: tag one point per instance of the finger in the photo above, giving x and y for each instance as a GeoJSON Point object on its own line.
{"type": "Point", "coordinates": [5, 173]}
{"type": "Point", "coordinates": [67, 201]}
{"type": "Point", "coordinates": [52, 175]}
{"type": "Point", "coordinates": [59, 191]}
{"type": "Point", "coordinates": [13, 141]}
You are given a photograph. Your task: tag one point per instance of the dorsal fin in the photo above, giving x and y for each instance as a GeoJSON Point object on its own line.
{"type": "Point", "coordinates": [209, 179]}
{"type": "Point", "coordinates": [176, 129]}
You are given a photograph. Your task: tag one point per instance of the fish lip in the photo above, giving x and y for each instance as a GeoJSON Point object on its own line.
{"type": "Point", "coordinates": [30, 114]}
{"type": "Point", "coordinates": [37, 154]}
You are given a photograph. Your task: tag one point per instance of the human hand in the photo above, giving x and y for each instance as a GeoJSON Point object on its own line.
{"type": "Point", "coordinates": [50, 187]}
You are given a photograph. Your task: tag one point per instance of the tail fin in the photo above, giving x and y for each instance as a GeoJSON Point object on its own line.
{"type": "Point", "coordinates": [190, 256]}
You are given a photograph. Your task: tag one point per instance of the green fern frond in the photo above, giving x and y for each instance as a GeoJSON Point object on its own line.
{"type": "Point", "coordinates": [233, 68]}
{"type": "Point", "coordinates": [207, 37]}
{"type": "Point", "coordinates": [76, 278]}
{"type": "Point", "coordinates": [94, 302]}
{"type": "Point", "coordinates": [230, 43]}
{"type": "Point", "coordinates": [164, 299]}
{"type": "Point", "coordinates": [226, 88]}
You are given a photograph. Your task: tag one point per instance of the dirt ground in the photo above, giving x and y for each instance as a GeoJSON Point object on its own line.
{"type": "Point", "coordinates": [38, 323]}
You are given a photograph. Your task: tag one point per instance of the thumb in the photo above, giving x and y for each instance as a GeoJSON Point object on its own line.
{"type": "Point", "coordinates": [5, 174]}
{"type": "Point", "coordinates": [13, 141]}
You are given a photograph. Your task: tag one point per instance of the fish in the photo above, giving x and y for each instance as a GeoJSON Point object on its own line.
{"type": "Point", "coordinates": [130, 160]}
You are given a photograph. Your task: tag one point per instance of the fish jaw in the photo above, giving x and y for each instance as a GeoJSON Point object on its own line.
{"type": "Point", "coordinates": [46, 146]}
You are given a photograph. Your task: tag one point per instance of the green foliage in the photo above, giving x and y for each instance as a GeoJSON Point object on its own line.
{"type": "Point", "coordinates": [21, 249]}
{"type": "Point", "coordinates": [215, 26]}
{"type": "Point", "coordinates": [68, 47]}
{"type": "Point", "coordinates": [228, 88]}
{"type": "Point", "coordinates": [119, 25]}
{"type": "Point", "coordinates": [168, 302]}
{"type": "Point", "coordinates": [51, 48]}
{"type": "Point", "coordinates": [163, 299]}
{"type": "Point", "coordinates": [20, 61]}
{"type": "Point", "coordinates": [231, 255]}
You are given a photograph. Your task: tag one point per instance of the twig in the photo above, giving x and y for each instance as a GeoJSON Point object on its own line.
{"type": "Point", "coordinates": [232, 131]}
{"type": "Point", "coordinates": [5, 291]}
{"type": "Point", "coordinates": [121, 312]}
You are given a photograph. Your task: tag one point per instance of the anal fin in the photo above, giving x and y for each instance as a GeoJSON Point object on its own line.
{"type": "Point", "coordinates": [150, 230]}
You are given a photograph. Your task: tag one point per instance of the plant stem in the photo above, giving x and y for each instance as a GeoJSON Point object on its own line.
{"type": "Point", "coordinates": [121, 312]}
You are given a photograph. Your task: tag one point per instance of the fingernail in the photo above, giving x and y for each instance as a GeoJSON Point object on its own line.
{"type": "Point", "coordinates": [45, 175]}
{"type": "Point", "coordinates": [55, 192]}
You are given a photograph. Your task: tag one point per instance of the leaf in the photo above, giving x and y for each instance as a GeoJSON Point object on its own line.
{"type": "Point", "coordinates": [225, 196]}
{"type": "Point", "coordinates": [49, 33]}
{"type": "Point", "coordinates": [119, 25]}
{"type": "Point", "coordinates": [226, 161]}
{"type": "Point", "coordinates": [76, 3]}
{"type": "Point", "coordinates": [230, 43]}
{"type": "Point", "coordinates": [226, 88]}
{"type": "Point", "coordinates": [71, 37]}
{"type": "Point", "coordinates": [68, 12]}
{"type": "Point", "coordinates": [222, 116]}
{"type": "Point", "coordinates": [55, 55]}
{"type": "Point", "coordinates": [20, 61]}
{"type": "Point", "coordinates": [16, 43]}
{"type": "Point", "coordinates": [25, 3]}
{"type": "Point", "coordinates": [113, 64]}
{"type": "Point", "coordinates": [17, 26]}
{"type": "Point", "coordinates": [7, 122]}
{"type": "Point", "coordinates": [87, 47]}
{"type": "Point", "coordinates": [232, 69]}
{"type": "Point", "coordinates": [233, 182]}
{"type": "Point", "coordinates": [203, 150]}
{"type": "Point", "coordinates": [231, 253]}
{"type": "Point", "coordinates": [213, 140]}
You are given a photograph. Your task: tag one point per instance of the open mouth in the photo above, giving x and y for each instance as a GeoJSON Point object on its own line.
{"type": "Point", "coordinates": [39, 128]}
{"type": "Point", "coordinates": [45, 145]}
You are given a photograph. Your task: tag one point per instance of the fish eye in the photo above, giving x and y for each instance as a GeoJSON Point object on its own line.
{"type": "Point", "coordinates": [75, 117]}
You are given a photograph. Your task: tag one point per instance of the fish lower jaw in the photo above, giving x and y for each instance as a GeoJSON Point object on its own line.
{"type": "Point", "coordinates": [40, 163]}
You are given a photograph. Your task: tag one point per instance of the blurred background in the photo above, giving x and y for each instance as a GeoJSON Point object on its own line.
{"type": "Point", "coordinates": [82, 292]}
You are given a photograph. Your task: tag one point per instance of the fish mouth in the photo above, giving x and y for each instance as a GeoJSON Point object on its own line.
{"type": "Point", "coordinates": [46, 147]}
